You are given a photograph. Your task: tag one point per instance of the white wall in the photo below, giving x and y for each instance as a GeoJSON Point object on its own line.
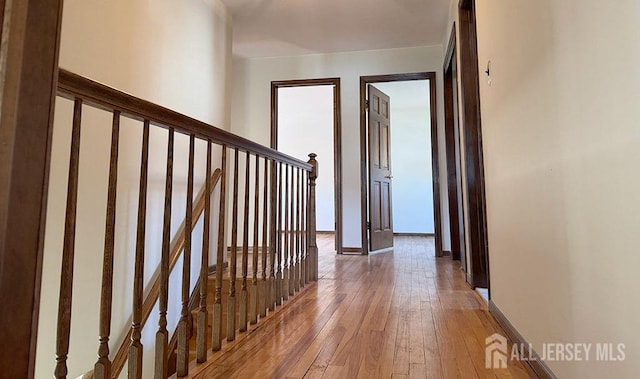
{"type": "Point", "coordinates": [173, 54]}
{"type": "Point", "coordinates": [561, 143]}
{"type": "Point", "coordinates": [305, 124]}
{"type": "Point", "coordinates": [412, 184]}
{"type": "Point", "coordinates": [251, 105]}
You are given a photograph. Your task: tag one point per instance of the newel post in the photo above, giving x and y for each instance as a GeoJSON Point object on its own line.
{"type": "Point", "coordinates": [311, 229]}
{"type": "Point", "coordinates": [30, 34]}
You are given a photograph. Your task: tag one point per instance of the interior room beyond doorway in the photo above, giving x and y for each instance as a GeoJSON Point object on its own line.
{"type": "Point", "coordinates": [306, 120]}
{"type": "Point", "coordinates": [412, 195]}
{"type": "Point", "coordinates": [420, 169]}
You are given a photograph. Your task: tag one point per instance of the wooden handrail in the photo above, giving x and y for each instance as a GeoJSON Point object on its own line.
{"type": "Point", "coordinates": [150, 300]}
{"type": "Point", "coordinates": [73, 86]}
{"type": "Point", "coordinates": [294, 213]}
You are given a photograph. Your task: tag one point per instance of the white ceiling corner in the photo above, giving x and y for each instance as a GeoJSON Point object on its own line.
{"type": "Point", "coordinates": [266, 28]}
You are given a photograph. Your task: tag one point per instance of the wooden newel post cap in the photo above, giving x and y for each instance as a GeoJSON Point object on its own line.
{"type": "Point", "coordinates": [312, 161]}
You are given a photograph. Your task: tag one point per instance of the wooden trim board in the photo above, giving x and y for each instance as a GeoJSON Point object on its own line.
{"type": "Point", "coordinates": [536, 367]}
{"type": "Point", "coordinates": [478, 266]}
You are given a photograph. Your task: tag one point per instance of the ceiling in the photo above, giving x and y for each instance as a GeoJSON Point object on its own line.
{"type": "Point", "coordinates": [267, 28]}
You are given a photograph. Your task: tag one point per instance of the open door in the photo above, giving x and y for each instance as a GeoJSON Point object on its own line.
{"type": "Point", "coordinates": [380, 216]}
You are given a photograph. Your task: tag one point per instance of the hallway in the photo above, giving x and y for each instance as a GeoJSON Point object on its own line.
{"type": "Point", "coordinates": [401, 313]}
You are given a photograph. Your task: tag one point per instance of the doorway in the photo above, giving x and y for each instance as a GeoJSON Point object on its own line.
{"type": "Point", "coordinates": [368, 191]}
{"type": "Point", "coordinates": [305, 118]}
{"type": "Point", "coordinates": [470, 131]}
{"type": "Point", "coordinates": [454, 155]}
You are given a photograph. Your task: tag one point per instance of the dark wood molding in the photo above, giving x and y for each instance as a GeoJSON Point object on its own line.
{"type": "Point", "coordinates": [28, 78]}
{"type": "Point", "coordinates": [364, 225]}
{"type": "Point", "coordinates": [405, 77]}
{"type": "Point", "coordinates": [452, 144]}
{"type": "Point", "coordinates": [364, 81]}
{"type": "Point", "coordinates": [435, 160]}
{"type": "Point", "coordinates": [337, 140]}
{"type": "Point", "coordinates": [472, 131]}
{"type": "Point", "coordinates": [352, 250]}
{"type": "Point", "coordinates": [536, 367]}
{"type": "Point", "coordinates": [449, 120]}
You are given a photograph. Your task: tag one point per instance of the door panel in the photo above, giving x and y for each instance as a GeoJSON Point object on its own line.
{"type": "Point", "coordinates": [384, 147]}
{"type": "Point", "coordinates": [386, 199]}
{"type": "Point", "coordinates": [381, 232]}
{"type": "Point", "coordinates": [376, 216]}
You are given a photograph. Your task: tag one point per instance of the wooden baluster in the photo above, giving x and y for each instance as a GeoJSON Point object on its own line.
{"type": "Point", "coordinates": [201, 342]}
{"type": "Point", "coordinates": [245, 246]}
{"type": "Point", "coordinates": [135, 350]}
{"type": "Point", "coordinates": [216, 338]}
{"type": "Point", "coordinates": [102, 368]}
{"type": "Point", "coordinates": [292, 233]}
{"type": "Point", "coordinates": [231, 309]}
{"type": "Point", "coordinates": [303, 244]}
{"type": "Point", "coordinates": [298, 218]}
{"type": "Point", "coordinates": [68, 249]}
{"type": "Point", "coordinates": [162, 335]}
{"type": "Point", "coordinates": [273, 235]}
{"type": "Point", "coordinates": [264, 289]}
{"type": "Point", "coordinates": [285, 251]}
{"type": "Point", "coordinates": [291, 236]}
{"type": "Point", "coordinates": [182, 365]}
{"type": "Point", "coordinates": [278, 252]}
{"type": "Point", "coordinates": [311, 232]}
{"type": "Point", "coordinates": [253, 317]}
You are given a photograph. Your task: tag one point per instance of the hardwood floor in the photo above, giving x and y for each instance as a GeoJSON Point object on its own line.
{"type": "Point", "coordinates": [397, 314]}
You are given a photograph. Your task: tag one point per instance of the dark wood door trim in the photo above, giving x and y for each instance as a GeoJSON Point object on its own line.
{"type": "Point", "coordinates": [337, 139]}
{"type": "Point", "coordinates": [364, 81]}
{"type": "Point", "coordinates": [29, 60]}
{"type": "Point", "coordinates": [451, 145]}
{"type": "Point", "coordinates": [479, 260]}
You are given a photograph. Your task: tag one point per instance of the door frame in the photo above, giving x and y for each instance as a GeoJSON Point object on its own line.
{"type": "Point", "coordinates": [364, 183]}
{"type": "Point", "coordinates": [454, 169]}
{"type": "Point", "coordinates": [472, 131]}
{"type": "Point", "coordinates": [337, 140]}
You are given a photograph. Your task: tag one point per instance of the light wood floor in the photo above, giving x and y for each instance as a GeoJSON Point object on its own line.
{"type": "Point", "coordinates": [397, 314]}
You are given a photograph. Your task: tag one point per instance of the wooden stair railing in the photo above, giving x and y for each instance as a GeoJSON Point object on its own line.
{"type": "Point", "coordinates": [177, 246]}
{"type": "Point", "coordinates": [281, 231]}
